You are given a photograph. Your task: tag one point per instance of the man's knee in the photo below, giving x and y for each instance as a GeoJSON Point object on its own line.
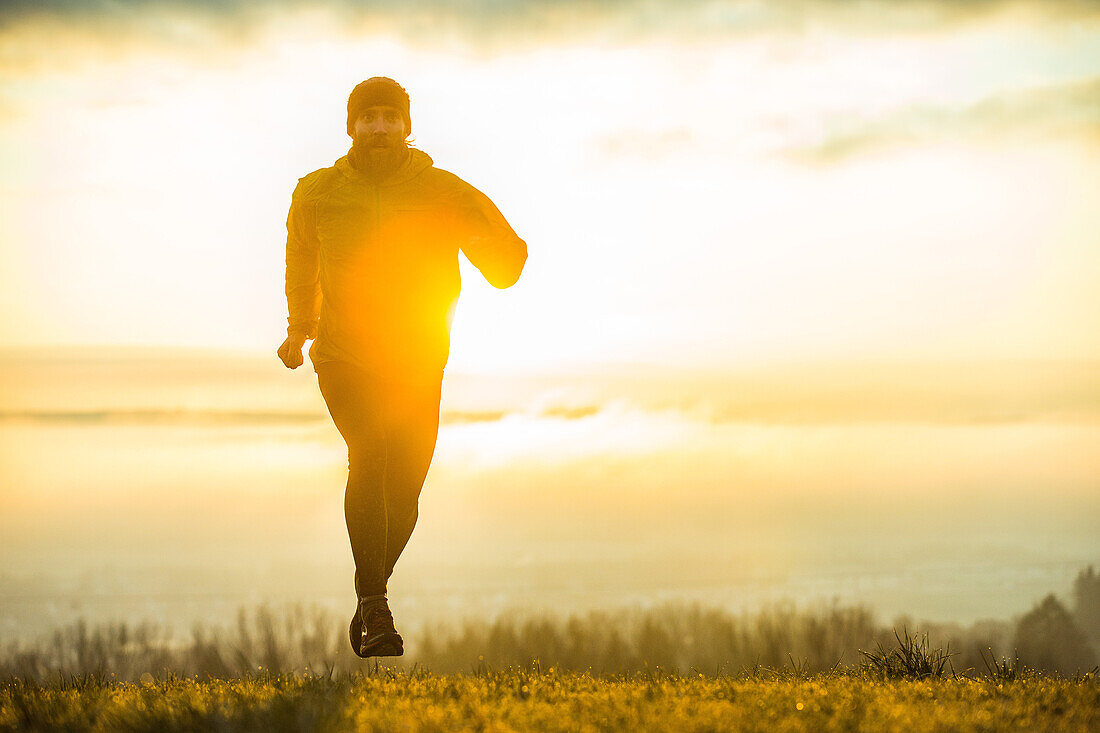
{"type": "Point", "coordinates": [403, 511]}
{"type": "Point", "coordinates": [365, 454]}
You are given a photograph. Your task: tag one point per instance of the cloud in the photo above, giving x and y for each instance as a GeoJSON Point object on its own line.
{"type": "Point", "coordinates": [489, 24]}
{"type": "Point", "coordinates": [182, 416]}
{"type": "Point", "coordinates": [655, 143]}
{"type": "Point", "coordinates": [1061, 110]}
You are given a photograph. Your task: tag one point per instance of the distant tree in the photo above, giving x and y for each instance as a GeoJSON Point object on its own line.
{"type": "Point", "coordinates": [1086, 603]}
{"type": "Point", "coordinates": [1048, 639]}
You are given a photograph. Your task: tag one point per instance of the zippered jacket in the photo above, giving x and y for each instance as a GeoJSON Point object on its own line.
{"type": "Point", "coordinates": [372, 266]}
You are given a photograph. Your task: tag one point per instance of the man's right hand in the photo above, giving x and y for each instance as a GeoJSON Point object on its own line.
{"type": "Point", "coordinates": [291, 351]}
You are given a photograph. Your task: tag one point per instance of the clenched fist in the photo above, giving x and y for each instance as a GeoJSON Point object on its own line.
{"type": "Point", "coordinates": [291, 351]}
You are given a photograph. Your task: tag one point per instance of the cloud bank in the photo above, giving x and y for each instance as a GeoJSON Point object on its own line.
{"type": "Point", "coordinates": [1053, 111]}
{"type": "Point", "coordinates": [504, 23]}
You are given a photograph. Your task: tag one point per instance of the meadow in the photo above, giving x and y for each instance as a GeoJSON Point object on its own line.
{"type": "Point", "coordinates": [534, 699]}
{"type": "Point", "coordinates": [674, 667]}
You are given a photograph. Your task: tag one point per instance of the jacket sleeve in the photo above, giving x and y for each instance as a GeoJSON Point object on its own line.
{"type": "Point", "coordinates": [487, 239]}
{"type": "Point", "coordinates": [303, 267]}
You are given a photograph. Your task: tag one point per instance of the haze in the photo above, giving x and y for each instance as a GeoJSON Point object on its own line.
{"type": "Point", "coordinates": [810, 309]}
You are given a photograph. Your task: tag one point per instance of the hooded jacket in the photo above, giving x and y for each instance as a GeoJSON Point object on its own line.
{"type": "Point", "coordinates": [372, 266]}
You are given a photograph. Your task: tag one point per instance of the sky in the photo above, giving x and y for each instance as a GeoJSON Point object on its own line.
{"type": "Point", "coordinates": [698, 183]}
{"type": "Point", "coordinates": [847, 251]}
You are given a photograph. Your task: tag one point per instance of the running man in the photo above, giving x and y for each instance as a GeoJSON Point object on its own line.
{"type": "Point", "coordinates": [372, 278]}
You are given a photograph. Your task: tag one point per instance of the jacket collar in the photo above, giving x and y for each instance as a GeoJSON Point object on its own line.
{"type": "Point", "coordinates": [416, 162]}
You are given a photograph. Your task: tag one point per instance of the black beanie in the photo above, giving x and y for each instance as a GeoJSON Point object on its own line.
{"type": "Point", "coordinates": [378, 90]}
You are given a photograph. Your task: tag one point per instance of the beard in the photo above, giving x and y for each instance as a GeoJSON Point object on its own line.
{"type": "Point", "coordinates": [377, 157]}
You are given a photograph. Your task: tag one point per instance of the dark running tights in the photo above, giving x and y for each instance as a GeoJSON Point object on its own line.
{"type": "Point", "coordinates": [390, 429]}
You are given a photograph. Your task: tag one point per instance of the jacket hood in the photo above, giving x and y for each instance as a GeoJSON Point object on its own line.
{"type": "Point", "coordinates": [416, 163]}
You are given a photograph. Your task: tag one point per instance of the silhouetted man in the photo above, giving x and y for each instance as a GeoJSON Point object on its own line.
{"type": "Point", "coordinates": [372, 277]}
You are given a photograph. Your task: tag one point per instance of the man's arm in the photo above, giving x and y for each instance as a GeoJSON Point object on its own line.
{"type": "Point", "coordinates": [303, 289]}
{"type": "Point", "coordinates": [488, 240]}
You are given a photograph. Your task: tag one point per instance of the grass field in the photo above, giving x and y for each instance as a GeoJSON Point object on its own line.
{"type": "Point", "coordinates": [382, 699]}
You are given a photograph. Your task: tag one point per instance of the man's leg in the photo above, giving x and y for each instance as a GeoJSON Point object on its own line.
{"type": "Point", "coordinates": [412, 426]}
{"type": "Point", "coordinates": [355, 403]}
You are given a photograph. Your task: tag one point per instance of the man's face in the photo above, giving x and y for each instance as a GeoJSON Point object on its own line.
{"type": "Point", "coordinates": [380, 130]}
